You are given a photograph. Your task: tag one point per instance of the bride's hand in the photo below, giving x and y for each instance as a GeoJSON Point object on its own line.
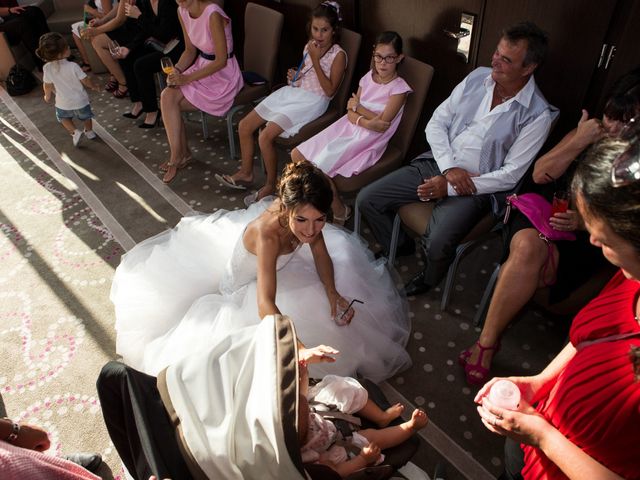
{"type": "Point", "coordinates": [321, 353]}
{"type": "Point", "coordinates": [339, 307]}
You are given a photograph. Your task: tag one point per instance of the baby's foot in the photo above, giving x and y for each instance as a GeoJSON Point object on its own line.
{"type": "Point", "coordinates": [390, 414]}
{"type": "Point", "coordinates": [418, 420]}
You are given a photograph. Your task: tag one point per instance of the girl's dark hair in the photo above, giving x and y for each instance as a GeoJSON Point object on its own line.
{"type": "Point", "coordinates": [303, 183]}
{"type": "Point", "coordinates": [619, 207]}
{"type": "Point", "coordinates": [624, 99]}
{"type": "Point", "coordinates": [389, 38]}
{"type": "Point", "coordinates": [331, 12]}
{"type": "Point", "coordinates": [51, 46]}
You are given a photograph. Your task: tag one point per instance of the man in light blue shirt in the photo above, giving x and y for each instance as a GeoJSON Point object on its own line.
{"type": "Point", "coordinates": [483, 139]}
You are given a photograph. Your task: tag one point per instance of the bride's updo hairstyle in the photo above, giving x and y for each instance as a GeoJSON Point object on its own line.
{"type": "Point", "coordinates": [303, 183]}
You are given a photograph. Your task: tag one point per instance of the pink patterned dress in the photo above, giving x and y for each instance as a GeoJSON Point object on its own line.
{"type": "Point", "coordinates": [213, 94]}
{"type": "Point", "coordinates": [346, 149]}
{"type": "Point", "coordinates": [293, 106]}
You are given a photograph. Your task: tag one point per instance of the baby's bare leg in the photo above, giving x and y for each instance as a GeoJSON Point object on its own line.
{"type": "Point", "coordinates": [391, 436]}
{"type": "Point", "coordinates": [380, 417]}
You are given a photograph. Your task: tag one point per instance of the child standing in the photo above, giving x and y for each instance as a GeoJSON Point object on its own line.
{"type": "Point", "coordinates": [358, 140]}
{"type": "Point", "coordinates": [66, 79]}
{"type": "Point", "coordinates": [285, 111]}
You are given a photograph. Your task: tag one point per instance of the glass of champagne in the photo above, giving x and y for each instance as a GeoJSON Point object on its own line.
{"type": "Point", "coordinates": [114, 48]}
{"type": "Point", "coordinates": [167, 66]}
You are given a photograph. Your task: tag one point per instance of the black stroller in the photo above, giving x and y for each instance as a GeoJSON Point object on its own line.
{"type": "Point", "coordinates": [229, 412]}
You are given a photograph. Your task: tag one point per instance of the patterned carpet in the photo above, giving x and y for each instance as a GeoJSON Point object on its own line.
{"type": "Point", "coordinates": [56, 321]}
{"type": "Point", "coordinates": [59, 250]}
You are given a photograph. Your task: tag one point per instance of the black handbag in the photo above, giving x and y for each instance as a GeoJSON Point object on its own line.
{"type": "Point", "coordinates": [20, 81]}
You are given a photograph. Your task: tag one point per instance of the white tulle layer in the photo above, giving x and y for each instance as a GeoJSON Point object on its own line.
{"type": "Point", "coordinates": [168, 302]}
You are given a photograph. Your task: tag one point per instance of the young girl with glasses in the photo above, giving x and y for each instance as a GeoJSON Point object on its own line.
{"type": "Point", "coordinates": [357, 140]}
{"type": "Point", "coordinates": [307, 95]}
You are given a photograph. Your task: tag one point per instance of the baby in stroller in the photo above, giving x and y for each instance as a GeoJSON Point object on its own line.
{"type": "Point", "coordinates": [328, 428]}
{"type": "Point", "coordinates": [232, 411]}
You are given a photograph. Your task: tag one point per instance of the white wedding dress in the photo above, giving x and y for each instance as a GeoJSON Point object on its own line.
{"type": "Point", "coordinates": [175, 292]}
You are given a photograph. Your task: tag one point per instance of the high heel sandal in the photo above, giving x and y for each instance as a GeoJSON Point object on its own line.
{"type": "Point", "coordinates": [154, 124]}
{"type": "Point", "coordinates": [132, 115]}
{"type": "Point", "coordinates": [111, 85]}
{"type": "Point", "coordinates": [345, 216]}
{"type": "Point", "coordinates": [477, 374]}
{"type": "Point", "coordinates": [119, 93]}
{"type": "Point", "coordinates": [185, 161]}
{"type": "Point", "coordinates": [172, 169]}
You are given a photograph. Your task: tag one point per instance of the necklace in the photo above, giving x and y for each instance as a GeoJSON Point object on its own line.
{"type": "Point", "coordinates": [503, 98]}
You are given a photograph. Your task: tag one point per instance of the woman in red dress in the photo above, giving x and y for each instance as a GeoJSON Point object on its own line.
{"type": "Point", "coordinates": [579, 418]}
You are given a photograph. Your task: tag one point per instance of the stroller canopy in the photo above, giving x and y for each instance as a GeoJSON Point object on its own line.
{"type": "Point", "coordinates": [237, 403]}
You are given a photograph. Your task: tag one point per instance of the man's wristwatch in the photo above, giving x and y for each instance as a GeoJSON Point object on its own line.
{"type": "Point", "coordinates": [15, 430]}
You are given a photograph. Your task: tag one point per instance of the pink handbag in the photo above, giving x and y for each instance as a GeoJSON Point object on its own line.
{"type": "Point", "coordinates": [538, 211]}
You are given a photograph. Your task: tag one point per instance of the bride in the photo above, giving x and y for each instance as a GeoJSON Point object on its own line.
{"type": "Point", "coordinates": [175, 292]}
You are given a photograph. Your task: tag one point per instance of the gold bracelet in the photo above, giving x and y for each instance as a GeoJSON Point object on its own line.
{"type": "Point", "coordinates": [358, 120]}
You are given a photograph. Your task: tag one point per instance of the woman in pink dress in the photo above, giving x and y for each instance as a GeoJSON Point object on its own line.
{"type": "Point", "coordinates": [357, 140]}
{"type": "Point", "coordinates": [210, 83]}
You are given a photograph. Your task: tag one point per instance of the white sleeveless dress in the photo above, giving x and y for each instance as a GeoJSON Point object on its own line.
{"type": "Point", "coordinates": [175, 292]}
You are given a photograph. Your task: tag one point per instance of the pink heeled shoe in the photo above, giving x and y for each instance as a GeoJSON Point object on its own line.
{"type": "Point", "coordinates": [475, 373]}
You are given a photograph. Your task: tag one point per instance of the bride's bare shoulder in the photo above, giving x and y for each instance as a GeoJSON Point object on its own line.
{"type": "Point", "coordinates": [265, 228]}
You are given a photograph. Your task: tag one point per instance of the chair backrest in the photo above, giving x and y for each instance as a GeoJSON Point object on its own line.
{"type": "Point", "coordinates": [418, 75]}
{"type": "Point", "coordinates": [262, 29]}
{"type": "Point", "coordinates": [350, 42]}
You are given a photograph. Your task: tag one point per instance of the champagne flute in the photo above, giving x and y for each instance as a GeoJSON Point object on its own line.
{"type": "Point", "coordinates": [167, 65]}
{"type": "Point", "coordinates": [114, 48]}
{"type": "Point", "coordinates": [168, 68]}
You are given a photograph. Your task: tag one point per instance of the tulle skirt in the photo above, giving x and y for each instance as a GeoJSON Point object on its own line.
{"type": "Point", "coordinates": [169, 303]}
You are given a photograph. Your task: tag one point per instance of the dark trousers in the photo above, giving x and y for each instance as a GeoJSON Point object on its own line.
{"type": "Point", "coordinates": [513, 461]}
{"type": "Point", "coordinates": [138, 423]}
{"type": "Point", "coordinates": [26, 27]}
{"type": "Point", "coordinates": [139, 69]}
{"type": "Point", "coordinates": [452, 218]}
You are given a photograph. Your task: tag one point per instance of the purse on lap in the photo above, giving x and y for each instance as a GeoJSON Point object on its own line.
{"type": "Point", "coordinates": [538, 210]}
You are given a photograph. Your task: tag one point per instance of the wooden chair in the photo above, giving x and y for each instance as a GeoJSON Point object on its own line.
{"type": "Point", "coordinates": [262, 27]}
{"type": "Point", "coordinates": [418, 75]}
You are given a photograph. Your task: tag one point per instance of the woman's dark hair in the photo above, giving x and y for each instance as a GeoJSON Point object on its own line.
{"type": "Point", "coordinates": [303, 183]}
{"type": "Point", "coordinates": [389, 38]}
{"type": "Point", "coordinates": [624, 99]}
{"type": "Point", "coordinates": [331, 12]}
{"type": "Point", "coordinates": [619, 207]}
{"type": "Point", "coordinates": [51, 46]}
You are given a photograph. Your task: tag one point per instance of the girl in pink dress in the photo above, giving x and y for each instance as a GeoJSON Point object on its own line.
{"type": "Point", "coordinates": [357, 140]}
{"type": "Point", "coordinates": [288, 109]}
{"type": "Point", "coordinates": [209, 84]}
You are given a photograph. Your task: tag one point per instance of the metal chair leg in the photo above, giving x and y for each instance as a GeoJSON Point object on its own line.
{"type": "Point", "coordinates": [205, 127]}
{"type": "Point", "coordinates": [230, 133]}
{"type": "Point", "coordinates": [478, 318]}
{"type": "Point", "coordinates": [356, 219]}
{"type": "Point", "coordinates": [451, 274]}
{"type": "Point", "coordinates": [395, 233]}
